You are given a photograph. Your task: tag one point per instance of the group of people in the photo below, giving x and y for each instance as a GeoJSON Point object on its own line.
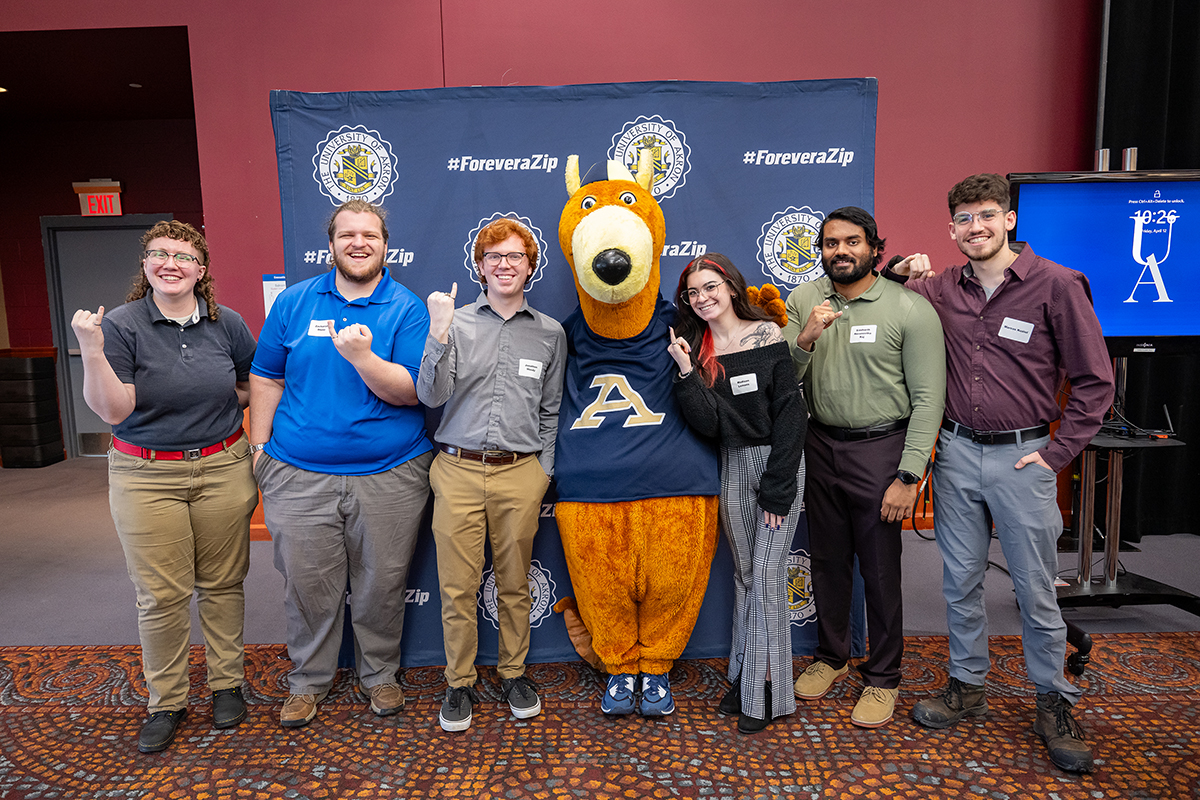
{"type": "Point", "coordinates": [873, 365]}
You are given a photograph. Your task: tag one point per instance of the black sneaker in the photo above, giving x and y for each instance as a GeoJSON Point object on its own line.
{"type": "Point", "coordinates": [159, 731]}
{"type": "Point", "coordinates": [1061, 733]}
{"type": "Point", "coordinates": [957, 701]}
{"type": "Point", "coordinates": [228, 707]}
{"type": "Point", "coordinates": [456, 708]}
{"type": "Point", "coordinates": [522, 697]}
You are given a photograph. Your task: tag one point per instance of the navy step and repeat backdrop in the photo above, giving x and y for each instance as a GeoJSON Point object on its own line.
{"type": "Point", "coordinates": [744, 169]}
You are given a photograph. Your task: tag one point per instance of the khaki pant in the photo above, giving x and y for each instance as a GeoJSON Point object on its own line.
{"type": "Point", "coordinates": [185, 527]}
{"type": "Point", "coordinates": [501, 502]}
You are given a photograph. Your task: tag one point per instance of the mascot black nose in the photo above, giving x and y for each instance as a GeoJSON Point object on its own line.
{"type": "Point", "coordinates": [612, 266]}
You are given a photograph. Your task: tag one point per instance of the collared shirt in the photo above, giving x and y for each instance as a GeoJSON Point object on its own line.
{"type": "Point", "coordinates": [1007, 356]}
{"type": "Point", "coordinates": [500, 380]}
{"type": "Point", "coordinates": [883, 360]}
{"type": "Point", "coordinates": [328, 420]}
{"type": "Point", "coordinates": [183, 376]}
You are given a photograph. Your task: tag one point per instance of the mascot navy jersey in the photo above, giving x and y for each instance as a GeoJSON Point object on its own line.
{"type": "Point", "coordinates": [621, 435]}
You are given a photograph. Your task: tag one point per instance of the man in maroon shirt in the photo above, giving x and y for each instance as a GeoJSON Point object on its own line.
{"type": "Point", "coordinates": [1016, 326]}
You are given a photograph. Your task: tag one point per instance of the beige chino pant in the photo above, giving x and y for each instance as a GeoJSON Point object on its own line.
{"type": "Point", "coordinates": [500, 502]}
{"type": "Point", "coordinates": [185, 528]}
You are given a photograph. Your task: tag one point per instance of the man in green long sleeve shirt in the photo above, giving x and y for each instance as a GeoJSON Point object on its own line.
{"type": "Point", "coordinates": [873, 363]}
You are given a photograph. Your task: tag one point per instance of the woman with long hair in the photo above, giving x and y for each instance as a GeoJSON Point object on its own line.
{"type": "Point", "coordinates": [737, 384]}
{"type": "Point", "coordinates": [170, 371]}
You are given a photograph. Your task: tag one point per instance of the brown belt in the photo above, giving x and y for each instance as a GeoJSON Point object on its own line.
{"type": "Point", "coordinates": [174, 455]}
{"type": "Point", "coordinates": [485, 456]}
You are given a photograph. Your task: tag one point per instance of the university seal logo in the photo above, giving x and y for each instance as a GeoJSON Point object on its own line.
{"type": "Point", "coordinates": [665, 141]}
{"type": "Point", "coordinates": [801, 607]}
{"type": "Point", "coordinates": [354, 163]}
{"type": "Point", "coordinates": [524, 222]}
{"type": "Point", "coordinates": [788, 248]}
{"type": "Point", "coordinates": [541, 592]}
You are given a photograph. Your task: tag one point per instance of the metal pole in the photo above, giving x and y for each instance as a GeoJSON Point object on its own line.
{"type": "Point", "coordinates": [1103, 83]}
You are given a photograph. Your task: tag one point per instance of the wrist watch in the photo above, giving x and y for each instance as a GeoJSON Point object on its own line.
{"type": "Point", "coordinates": [908, 478]}
{"type": "Point", "coordinates": [254, 448]}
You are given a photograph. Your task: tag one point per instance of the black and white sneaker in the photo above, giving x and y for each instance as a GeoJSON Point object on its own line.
{"type": "Point", "coordinates": [456, 708]}
{"type": "Point", "coordinates": [522, 697]}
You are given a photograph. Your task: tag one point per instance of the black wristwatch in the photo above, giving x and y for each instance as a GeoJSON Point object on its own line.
{"type": "Point", "coordinates": [908, 478]}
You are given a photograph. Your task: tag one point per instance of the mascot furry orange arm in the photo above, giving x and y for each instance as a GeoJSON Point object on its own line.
{"type": "Point", "coordinates": [637, 507]}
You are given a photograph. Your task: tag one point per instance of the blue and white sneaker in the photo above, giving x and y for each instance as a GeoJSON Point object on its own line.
{"type": "Point", "coordinates": [656, 696]}
{"type": "Point", "coordinates": [618, 697]}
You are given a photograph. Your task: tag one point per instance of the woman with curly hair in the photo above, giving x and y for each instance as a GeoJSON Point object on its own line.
{"type": "Point", "coordinates": [737, 384]}
{"type": "Point", "coordinates": [170, 371]}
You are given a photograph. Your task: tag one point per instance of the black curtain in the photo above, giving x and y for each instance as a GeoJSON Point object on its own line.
{"type": "Point", "coordinates": [1152, 102]}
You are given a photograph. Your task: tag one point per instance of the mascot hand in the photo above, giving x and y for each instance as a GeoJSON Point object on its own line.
{"type": "Point", "coordinates": [767, 298]}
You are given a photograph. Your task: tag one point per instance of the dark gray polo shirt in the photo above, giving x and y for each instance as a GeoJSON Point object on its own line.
{"type": "Point", "coordinates": [183, 377]}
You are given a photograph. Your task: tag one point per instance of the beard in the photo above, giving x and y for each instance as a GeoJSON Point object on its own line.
{"type": "Point", "coordinates": [985, 251]}
{"type": "Point", "coordinates": [846, 274]}
{"type": "Point", "coordinates": [355, 272]}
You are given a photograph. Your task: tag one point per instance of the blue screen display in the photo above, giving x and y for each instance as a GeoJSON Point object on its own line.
{"type": "Point", "coordinates": [1138, 242]}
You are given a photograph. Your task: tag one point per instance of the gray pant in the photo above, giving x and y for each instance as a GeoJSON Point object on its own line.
{"type": "Point", "coordinates": [762, 636]}
{"type": "Point", "coordinates": [327, 528]}
{"type": "Point", "coordinates": [969, 481]}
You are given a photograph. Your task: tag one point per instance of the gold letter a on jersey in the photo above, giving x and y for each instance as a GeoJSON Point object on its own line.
{"type": "Point", "coordinates": [628, 400]}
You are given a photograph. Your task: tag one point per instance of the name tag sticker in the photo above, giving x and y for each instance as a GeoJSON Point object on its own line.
{"type": "Point", "coordinates": [321, 327]}
{"type": "Point", "coordinates": [529, 368]}
{"type": "Point", "coordinates": [862, 333]}
{"type": "Point", "coordinates": [744, 384]}
{"type": "Point", "coordinates": [1016, 330]}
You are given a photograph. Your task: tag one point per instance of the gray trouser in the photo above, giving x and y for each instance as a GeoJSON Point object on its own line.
{"type": "Point", "coordinates": [969, 481]}
{"type": "Point", "coordinates": [327, 528]}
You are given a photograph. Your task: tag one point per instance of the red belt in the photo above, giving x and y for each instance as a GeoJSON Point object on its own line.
{"type": "Point", "coordinates": [174, 455]}
{"type": "Point", "coordinates": [486, 456]}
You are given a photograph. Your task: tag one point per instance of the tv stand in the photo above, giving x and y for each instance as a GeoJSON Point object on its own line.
{"type": "Point", "coordinates": [1110, 589]}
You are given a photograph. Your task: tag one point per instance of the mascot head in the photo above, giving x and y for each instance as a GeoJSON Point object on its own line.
{"type": "Point", "coordinates": [612, 233]}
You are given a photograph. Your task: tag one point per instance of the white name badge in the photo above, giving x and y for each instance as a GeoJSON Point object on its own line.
{"type": "Point", "coordinates": [744, 384]}
{"type": "Point", "coordinates": [862, 333]}
{"type": "Point", "coordinates": [528, 368]}
{"type": "Point", "coordinates": [1016, 330]}
{"type": "Point", "coordinates": [321, 327]}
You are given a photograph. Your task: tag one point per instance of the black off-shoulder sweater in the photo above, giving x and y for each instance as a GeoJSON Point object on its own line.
{"type": "Point", "coordinates": [740, 411]}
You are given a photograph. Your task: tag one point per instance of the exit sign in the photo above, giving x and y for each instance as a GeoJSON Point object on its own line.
{"type": "Point", "coordinates": [99, 198]}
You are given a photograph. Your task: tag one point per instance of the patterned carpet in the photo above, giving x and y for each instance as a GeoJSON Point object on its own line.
{"type": "Point", "coordinates": [69, 717]}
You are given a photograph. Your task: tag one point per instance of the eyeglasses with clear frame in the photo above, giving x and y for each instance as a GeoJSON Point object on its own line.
{"type": "Point", "coordinates": [160, 257]}
{"type": "Point", "coordinates": [692, 295]}
{"type": "Point", "coordinates": [514, 259]}
{"type": "Point", "coordinates": [986, 215]}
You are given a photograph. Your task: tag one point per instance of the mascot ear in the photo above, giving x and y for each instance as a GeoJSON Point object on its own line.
{"type": "Point", "coordinates": [769, 300]}
{"type": "Point", "coordinates": [572, 175]}
{"type": "Point", "coordinates": [618, 171]}
{"type": "Point", "coordinates": [645, 173]}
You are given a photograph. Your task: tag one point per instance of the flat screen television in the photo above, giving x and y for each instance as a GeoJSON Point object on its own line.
{"type": "Point", "coordinates": [1136, 235]}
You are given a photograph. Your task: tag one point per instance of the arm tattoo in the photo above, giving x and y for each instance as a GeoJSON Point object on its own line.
{"type": "Point", "coordinates": [766, 333]}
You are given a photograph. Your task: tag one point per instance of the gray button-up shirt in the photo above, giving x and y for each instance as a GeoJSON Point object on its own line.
{"type": "Point", "coordinates": [501, 381]}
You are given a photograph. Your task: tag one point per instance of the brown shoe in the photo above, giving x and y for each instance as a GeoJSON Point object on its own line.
{"type": "Point", "coordinates": [386, 699]}
{"type": "Point", "coordinates": [1061, 733]}
{"type": "Point", "coordinates": [957, 701]}
{"type": "Point", "coordinates": [874, 707]}
{"type": "Point", "coordinates": [816, 681]}
{"type": "Point", "coordinates": [299, 709]}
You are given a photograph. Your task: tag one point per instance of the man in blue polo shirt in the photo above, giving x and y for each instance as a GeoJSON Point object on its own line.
{"type": "Point", "coordinates": [342, 459]}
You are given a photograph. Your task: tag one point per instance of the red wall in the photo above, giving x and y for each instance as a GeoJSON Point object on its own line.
{"type": "Point", "coordinates": [40, 163]}
{"type": "Point", "coordinates": [963, 88]}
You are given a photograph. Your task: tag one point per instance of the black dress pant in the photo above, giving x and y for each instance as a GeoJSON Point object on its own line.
{"type": "Point", "coordinates": [843, 497]}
